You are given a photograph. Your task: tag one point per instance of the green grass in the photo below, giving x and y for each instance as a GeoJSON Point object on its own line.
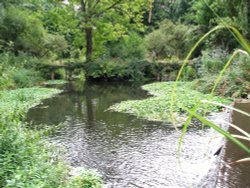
{"type": "Point", "coordinates": [54, 82]}
{"type": "Point", "coordinates": [26, 160]}
{"type": "Point", "coordinates": [17, 102]}
{"type": "Point", "coordinates": [158, 107]}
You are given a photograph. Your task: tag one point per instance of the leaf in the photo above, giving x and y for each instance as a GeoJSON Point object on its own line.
{"type": "Point", "coordinates": [243, 160]}
{"type": "Point", "coordinates": [241, 137]}
{"type": "Point", "coordinates": [237, 128]}
{"type": "Point", "coordinates": [218, 129]}
{"type": "Point", "coordinates": [226, 106]}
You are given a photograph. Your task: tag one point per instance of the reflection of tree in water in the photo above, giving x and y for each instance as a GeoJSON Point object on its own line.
{"type": "Point", "coordinates": [90, 113]}
{"type": "Point", "coordinates": [86, 102]}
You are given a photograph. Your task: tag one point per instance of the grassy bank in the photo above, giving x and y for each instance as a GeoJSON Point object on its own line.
{"type": "Point", "coordinates": [26, 160]}
{"type": "Point", "coordinates": [17, 102]}
{"type": "Point", "coordinates": [157, 107]}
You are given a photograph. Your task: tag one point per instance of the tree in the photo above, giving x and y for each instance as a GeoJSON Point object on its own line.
{"type": "Point", "coordinates": [168, 40]}
{"type": "Point", "coordinates": [22, 27]}
{"type": "Point", "coordinates": [173, 10]}
{"type": "Point", "coordinates": [114, 15]}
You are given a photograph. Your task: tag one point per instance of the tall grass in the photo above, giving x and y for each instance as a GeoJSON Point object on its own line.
{"type": "Point", "coordinates": [192, 112]}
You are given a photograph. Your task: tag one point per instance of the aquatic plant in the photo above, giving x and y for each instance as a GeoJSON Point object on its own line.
{"type": "Point", "coordinates": [157, 107]}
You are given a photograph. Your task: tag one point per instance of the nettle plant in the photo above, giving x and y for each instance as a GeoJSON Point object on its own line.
{"type": "Point", "coordinates": [193, 111]}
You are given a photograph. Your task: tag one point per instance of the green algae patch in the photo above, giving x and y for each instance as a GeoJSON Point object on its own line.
{"type": "Point", "coordinates": [157, 107]}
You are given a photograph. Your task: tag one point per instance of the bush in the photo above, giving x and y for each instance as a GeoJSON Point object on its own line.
{"type": "Point", "coordinates": [5, 77]}
{"type": "Point", "coordinates": [86, 179]}
{"type": "Point", "coordinates": [234, 83]}
{"type": "Point", "coordinates": [167, 41]}
{"type": "Point", "coordinates": [107, 70]}
{"type": "Point", "coordinates": [213, 60]}
{"type": "Point", "coordinates": [18, 71]}
{"type": "Point", "coordinates": [189, 73]}
{"type": "Point", "coordinates": [25, 77]}
{"type": "Point", "coordinates": [26, 32]}
{"type": "Point", "coordinates": [25, 159]}
{"type": "Point", "coordinates": [22, 60]}
{"type": "Point", "coordinates": [130, 48]}
{"type": "Point", "coordinates": [113, 70]}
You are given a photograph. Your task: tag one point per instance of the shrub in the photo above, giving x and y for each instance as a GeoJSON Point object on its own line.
{"type": "Point", "coordinates": [113, 70]}
{"type": "Point", "coordinates": [5, 77]}
{"type": "Point", "coordinates": [24, 161]}
{"type": "Point", "coordinates": [86, 179]}
{"type": "Point", "coordinates": [25, 77]}
{"type": "Point", "coordinates": [213, 60]}
{"type": "Point", "coordinates": [234, 83]}
{"type": "Point", "coordinates": [189, 73]}
{"type": "Point", "coordinates": [167, 41]}
{"type": "Point", "coordinates": [129, 48]}
{"type": "Point", "coordinates": [26, 32]}
{"type": "Point", "coordinates": [108, 70]}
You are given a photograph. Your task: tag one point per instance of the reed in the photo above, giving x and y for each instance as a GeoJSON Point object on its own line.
{"type": "Point", "coordinates": [193, 112]}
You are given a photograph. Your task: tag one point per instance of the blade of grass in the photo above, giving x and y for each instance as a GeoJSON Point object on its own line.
{"type": "Point", "coordinates": [182, 68]}
{"type": "Point", "coordinates": [184, 129]}
{"type": "Point", "coordinates": [239, 129]}
{"type": "Point", "coordinates": [237, 35]}
{"type": "Point", "coordinates": [241, 137]}
{"type": "Point", "coordinates": [218, 129]}
{"type": "Point", "coordinates": [217, 81]}
{"type": "Point", "coordinates": [243, 160]}
{"type": "Point", "coordinates": [226, 106]}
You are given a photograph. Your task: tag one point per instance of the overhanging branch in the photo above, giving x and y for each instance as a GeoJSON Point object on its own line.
{"type": "Point", "coordinates": [108, 8]}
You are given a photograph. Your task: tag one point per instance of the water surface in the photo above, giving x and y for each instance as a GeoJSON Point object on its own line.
{"type": "Point", "coordinates": [125, 150]}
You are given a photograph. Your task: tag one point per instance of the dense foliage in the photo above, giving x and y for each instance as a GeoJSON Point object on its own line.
{"type": "Point", "coordinates": [109, 37]}
{"type": "Point", "coordinates": [108, 40]}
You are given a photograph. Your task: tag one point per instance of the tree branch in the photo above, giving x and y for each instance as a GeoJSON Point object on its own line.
{"type": "Point", "coordinates": [96, 3]}
{"type": "Point", "coordinates": [108, 8]}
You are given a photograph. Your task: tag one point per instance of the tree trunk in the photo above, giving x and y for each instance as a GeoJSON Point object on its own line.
{"type": "Point", "coordinates": [89, 43]}
{"type": "Point", "coordinates": [52, 75]}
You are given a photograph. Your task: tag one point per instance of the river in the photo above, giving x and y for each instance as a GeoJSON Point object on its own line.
{"type": "Point", "coordinates": [126, 151]}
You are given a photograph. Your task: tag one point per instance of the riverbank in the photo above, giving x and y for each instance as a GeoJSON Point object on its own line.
{"type": "Point", "coordinates": [27, 160]}
{"type": "Point", "coordinates": [157, 107]}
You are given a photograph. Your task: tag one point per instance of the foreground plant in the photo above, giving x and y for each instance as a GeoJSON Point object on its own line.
{"type": "Point", "coordinates": [193, 111]}
{"type": "Point", "coordinates": [27, 160]}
